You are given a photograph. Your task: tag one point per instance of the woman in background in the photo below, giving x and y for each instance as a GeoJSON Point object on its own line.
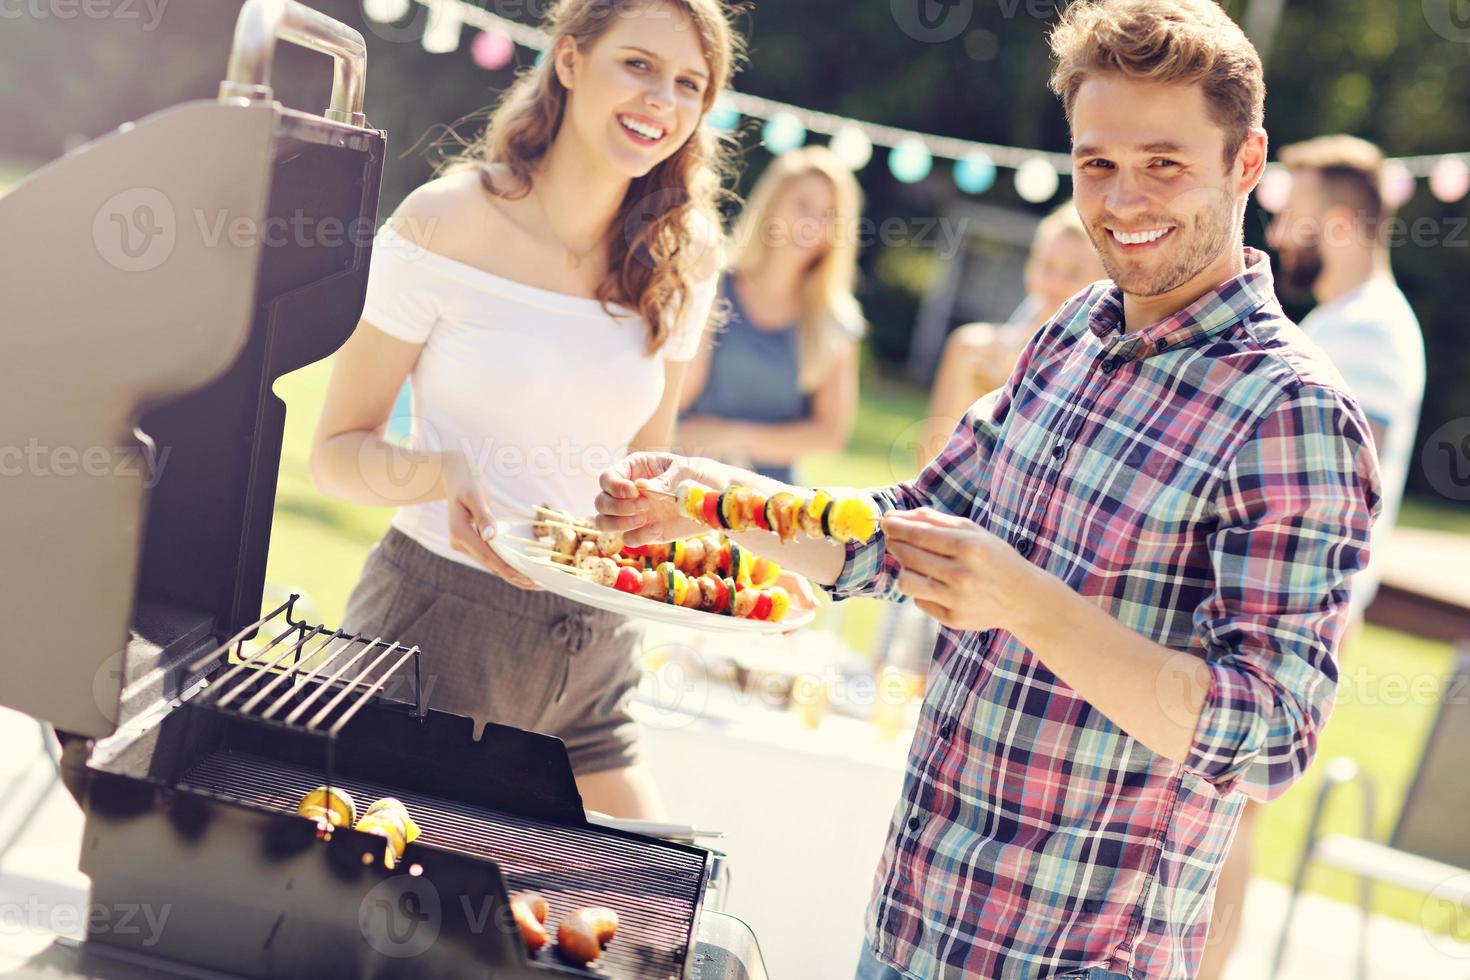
{"type": "Point", "coordinates": [545, 296]}
{"type": "Point", "coordinates": [781, 380]}
{"type": "Point", "coordinates": [978, 357]}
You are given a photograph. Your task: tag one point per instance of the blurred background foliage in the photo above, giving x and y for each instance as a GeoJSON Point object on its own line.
{"type": "Point", "coordinates": [1389, 71]}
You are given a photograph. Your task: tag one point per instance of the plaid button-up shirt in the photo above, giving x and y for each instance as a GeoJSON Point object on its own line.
{"type": "Point", "coordinates": [1209, 482]}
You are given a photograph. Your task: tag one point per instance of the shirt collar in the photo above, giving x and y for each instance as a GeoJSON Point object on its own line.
{"type": "Point", "coordinates": [1226, 304]}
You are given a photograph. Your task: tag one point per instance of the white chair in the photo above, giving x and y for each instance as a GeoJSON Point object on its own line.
{"type": "Point", "coordinates": [1429, 849]}
{"type": "Point", "coordinates": [52, 751]}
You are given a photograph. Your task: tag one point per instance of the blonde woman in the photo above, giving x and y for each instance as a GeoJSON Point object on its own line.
{"type": "Point", "coordinates": [979, 357]}
{"type": "Point", "coordinates": [544, 295]}
{"type": "Point", "coordinates": [780, 380]}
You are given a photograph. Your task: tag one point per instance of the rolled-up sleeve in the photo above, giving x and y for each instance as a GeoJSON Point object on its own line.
{"type": "Point", "coordinates": [1294, 512]}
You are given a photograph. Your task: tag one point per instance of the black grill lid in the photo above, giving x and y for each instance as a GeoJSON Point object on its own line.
{"type": "Point", "coordinates": [137, 353]}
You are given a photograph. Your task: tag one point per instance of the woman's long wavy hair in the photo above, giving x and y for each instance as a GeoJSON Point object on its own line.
{"type": "Point", "coordinates": [669, 220]}
{"type": "Point", "coordinates": [830, 317]}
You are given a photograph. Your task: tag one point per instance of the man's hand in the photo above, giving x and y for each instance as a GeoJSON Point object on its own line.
{"type": "Point", "coordinates": [958, 572]}
{"type": "Point", "coordinates": [637, 496]}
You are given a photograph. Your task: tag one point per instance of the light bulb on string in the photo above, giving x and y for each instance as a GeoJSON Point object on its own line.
{"type": "Point", "coordinates": [1037, 181]}
{"type": "Point", "coordinates": [910, 161]}
{"type": "Point", "coordinates": [1274, 188]}
{"type": "Point", "coordinates": [492, 50]}
{"type": "Point", "coordinates": [441, 33]}
{"type": "Point", "coordinates": [852, 147]}
{"type": "Point", "coordinates": [723, 117]}
{"type": "Point", "coordinates": [1449, 181]}
{"type": "Point", "coordinates": [974, 173]}
{"type": "Point", "coordinates": [783, 132]}
{"type": "Point", "coordinates": [1398, 184]}
{"type": "Point", "coordinates": [385, 11]}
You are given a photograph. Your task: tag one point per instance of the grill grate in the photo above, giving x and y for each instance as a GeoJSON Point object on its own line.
{"type": "Point", "coordinates": [655, 890]}
{"type": "Point", "coordinates": [266, 681]}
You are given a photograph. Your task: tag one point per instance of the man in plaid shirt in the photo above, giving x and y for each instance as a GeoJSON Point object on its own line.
{"type": "Point", "coordinates": [1140, 549]}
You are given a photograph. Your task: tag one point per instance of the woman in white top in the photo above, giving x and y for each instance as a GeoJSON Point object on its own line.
{"type": "Point", "coordinates": [544, 296]}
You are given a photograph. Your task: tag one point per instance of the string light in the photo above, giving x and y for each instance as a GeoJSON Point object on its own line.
{"type": "Point", "coordinates": [1398, 183]}
{"type": "Point", "coordinates": [1274, 188]}
{"type": "Point", "coordinates": [1037, 181]}
{"type": "Point", "coordinates": [852, 147]}
{"type": "Point", "coordinates": [441, 33]}
{"type": "Point", "coordinates": [783, 132]}
{"type": "Point", "coordinates": [1038, 173]}
{"type": "Point", "coordinates": [492, 50]}
{"type": "Point", "coordinates": [974, 173]}
{"type": "Point", "coordinates": [1449, 181]}
{"type": "Point", "coordinates": [910, 161]}
{"type": "Point", "coordinates": [723, 117]}
{"type": "Point", "coordinates": [386, 11]}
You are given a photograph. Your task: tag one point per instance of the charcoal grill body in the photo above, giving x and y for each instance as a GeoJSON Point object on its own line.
{"type": "Point", "coordinates": [162, 352]}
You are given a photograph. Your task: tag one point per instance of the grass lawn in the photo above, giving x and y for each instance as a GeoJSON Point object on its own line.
{"type": "Point", "coordinates": [1382, 717]}
{"type": "Point", "coordinates": [13, 170]}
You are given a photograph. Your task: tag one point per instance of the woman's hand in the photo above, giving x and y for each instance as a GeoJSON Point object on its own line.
{"type": "Point", "coordinates": [471, 525]}
{"type": "Point", "coordinates": [653, 516]}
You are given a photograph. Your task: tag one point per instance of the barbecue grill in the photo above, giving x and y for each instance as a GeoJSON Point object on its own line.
{"type": "Point", "coordinates": [136, 367]}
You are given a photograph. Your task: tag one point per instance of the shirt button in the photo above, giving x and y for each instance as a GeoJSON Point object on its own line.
{"type": "Point", "coordinates": [1108, 365]}
{"type": "Point", "coordinates": [1023, 547]}
{"type": "Point", "coordinates": [1059, 450]}
{"type": "Point", "coordinates": [1163, 345]}
{"type": "Point", "coordinates": [947, 732]}
{"type": "Point", "coordinates": [915, 823]}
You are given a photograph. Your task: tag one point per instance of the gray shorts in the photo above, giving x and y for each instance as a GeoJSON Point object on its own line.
{"type": "Point", "coordinates": [495, 653]}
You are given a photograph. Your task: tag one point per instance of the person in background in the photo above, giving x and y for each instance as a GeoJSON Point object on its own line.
{"type": "Point", "coordinates": [978, 357]}
{"type": "Point", "coordinates": [1331, 240]}
{"type": "Point", "coordinates": [1141, 548]}
{"type": "Point", "coordinates": [546, 309]}
{"type": "Point", "coordinates": [781, 380]}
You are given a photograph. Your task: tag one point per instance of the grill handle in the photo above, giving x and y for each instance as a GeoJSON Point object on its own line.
{"type": "Point", "coordinates": [262, 22]}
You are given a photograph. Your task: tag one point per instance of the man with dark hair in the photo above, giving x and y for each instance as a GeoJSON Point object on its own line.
{"type": "Point", "coordinates": [1139, 548]}
{"type": "Point", "coordinates": [1332, 238]}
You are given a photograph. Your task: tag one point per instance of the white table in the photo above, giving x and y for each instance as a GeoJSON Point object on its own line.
{"type": "Point", "coordinates": [806, 810]}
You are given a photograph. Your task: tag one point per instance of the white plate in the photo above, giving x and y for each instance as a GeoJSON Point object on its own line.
{"type": "Point", "coordinates": [602, 597]}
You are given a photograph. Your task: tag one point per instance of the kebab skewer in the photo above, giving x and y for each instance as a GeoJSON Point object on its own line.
{"type": "Point", "coordinates": [705, 554]}
{"type": "Point", "coordinates": [841, 519]}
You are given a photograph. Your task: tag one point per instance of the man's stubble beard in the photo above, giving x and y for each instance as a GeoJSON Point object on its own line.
{"type": "Point", "coordinates": [1200, 242]}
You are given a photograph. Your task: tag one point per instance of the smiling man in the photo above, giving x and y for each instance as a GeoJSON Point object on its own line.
{"type": "Point", "coordinates": [1140, 549]}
